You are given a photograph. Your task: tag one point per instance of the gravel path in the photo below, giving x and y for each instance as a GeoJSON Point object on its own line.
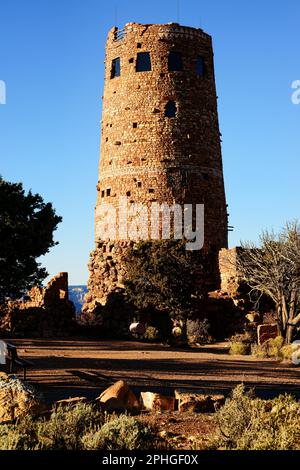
{"type": "Point", "coordinates": [78, 367]}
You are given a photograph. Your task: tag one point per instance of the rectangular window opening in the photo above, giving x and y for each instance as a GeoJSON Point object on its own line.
{"type": "Point", "coordinates": [200, 66]}
{"type": "Point", "coordinates": [108, 192]}
{"type": "Point", "coordinates": [143, 63]}
{"type": "Point", "coordinates": [174, 61]}
{"type": "Point", "coordinates": [184, 179]}
{"type": "Point", "coordinates": [115, 68]}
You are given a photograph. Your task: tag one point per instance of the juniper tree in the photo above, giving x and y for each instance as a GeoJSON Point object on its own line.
{"type": "Point", "coordinates": [27, 224]}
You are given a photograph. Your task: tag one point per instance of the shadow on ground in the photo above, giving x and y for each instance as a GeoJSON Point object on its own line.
{"type": "Point", "coordinates": [75, 367]}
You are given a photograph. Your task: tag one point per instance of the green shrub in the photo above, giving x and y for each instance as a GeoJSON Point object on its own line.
{"type": "Point", "coordinates": [241, 349]}
{"type": "Point", "coordinates": [152, 334]}
{"type": "Point", "coordinates": [275, 348]}
{"type": "Point", "coordinates": [66, 426]}
{"type": "Point", "coordinates": [77, 428]}
{"type": "Point", "coordinates": [122, 433]}
{"type": "Point", "coordinates": [247, 423]}
{"type": "Point", "coordinates": [11, 440]}
{"type": "Point", "coordinates": [198, 331]}
{"type": "Point", "coordinates": [240, 344]}
{"type": "Point", "coordinates": [19, 436]}
{"type": "Point", "coordinates": [288, 350]}
{"type": "Point", "coordinates": [258, 351]}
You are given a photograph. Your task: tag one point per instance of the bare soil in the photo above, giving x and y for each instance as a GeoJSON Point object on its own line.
{"type": "Point", "coordinates": [65, 368]}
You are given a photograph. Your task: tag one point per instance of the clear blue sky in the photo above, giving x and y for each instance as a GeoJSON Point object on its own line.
{"type": "Point", "coordinates": [51, 58]}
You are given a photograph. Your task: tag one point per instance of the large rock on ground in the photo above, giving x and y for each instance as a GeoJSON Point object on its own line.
{"type": "Point", "coordinates": [18, 399]}
{"type": "Point", "coordinates": [198, 403]}
{"type": "Point", "coordinates": [69, 402]}
{"type": "Point", "coordinates": [156, 402]}
{"type": "Point", "coordinates": [119, 397]}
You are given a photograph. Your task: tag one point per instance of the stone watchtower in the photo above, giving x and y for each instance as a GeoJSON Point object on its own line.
{"type": "Point", "coordinates": [160, 136]}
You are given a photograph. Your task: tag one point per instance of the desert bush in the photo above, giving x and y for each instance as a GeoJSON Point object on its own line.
{"type": "Point", "coordinates": [275, 348]}
{"type": "Point", "coordinates": [122, 433]}
{"type": "Point", "coordinates": [241, 349]}
{"type": "Point", "coordinates": [66, 426]}
{"type": "Point", "coordinates": [61, 431]}
{"type": "Point", "coordinates": [240, 344]}
{"type": "Point", "coordinates": [18, 437]}
{"type": "Point", "coordinates": [198, 331]}
{"type": "Point", "coordinates": [77, 428]}
{"type": "Point", "coordinates": [258, 351]}
{"type": "Point", "coordinates": [288, 350]}
{"type": "Point", "coordinates": [248, 423]}
{"type": "Point", "coordinates": [152, 334]}
{"type": "Point", "coordinates": [11, 439]}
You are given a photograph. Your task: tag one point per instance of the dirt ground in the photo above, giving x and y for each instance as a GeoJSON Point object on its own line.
{"type": "Point", "coordinates": [65, 368]}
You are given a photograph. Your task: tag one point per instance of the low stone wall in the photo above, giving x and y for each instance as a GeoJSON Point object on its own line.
{"type": "Point", "coordinates": [57, 289]}
{"type": "Point", "coordinates": [46, 312]}
{"type": "Point", "coordinates": [230, 278]}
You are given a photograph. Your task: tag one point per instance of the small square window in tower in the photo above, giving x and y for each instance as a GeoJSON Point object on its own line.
{"type": "Point", "coordinates": [143, 62]}
{"type": "Point", "coordinates": [200, 66]}
{"type": "Point", "coordinates": [115, 68]}
{"type": "Point", "coordinates": [184, 179]}
{"type": "Point", "coordinates": [171, 109]}
{"type": "Point", "coordinates": [174, 62]}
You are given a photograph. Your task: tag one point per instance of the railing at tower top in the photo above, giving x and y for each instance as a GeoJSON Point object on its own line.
{"type": "Point", "coordinates": [120, 34]}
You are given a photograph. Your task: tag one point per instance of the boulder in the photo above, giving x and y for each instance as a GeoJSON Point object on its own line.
{"type": "Point", "coordinates": [218, 401]}
{"type": "Point", "coordinates": [119, 397]}
{"type": "Point", "coordinates": [156, 402]}
{"type": "Point", "coordinates": [253, 317]}
{"type": "Point", "coordinates": [137, 328]}
{"type": "Point", "coordinates": [69, 402]}
{"type": "Point", "coordinates": [198, 403]}
{"type": "Point", "coordinates": [18, 399]}
{"type": "Point", "coordinates": [176, 331]}
{"type": "Point", "coordinates": [113, 404]}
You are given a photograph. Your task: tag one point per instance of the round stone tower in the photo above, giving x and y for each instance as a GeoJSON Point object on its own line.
{"type": "Point", "coordinates": [160, 139]}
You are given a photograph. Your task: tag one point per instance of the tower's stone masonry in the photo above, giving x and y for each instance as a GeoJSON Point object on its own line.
{"type": "Point", "coordinates": [160, 137]}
